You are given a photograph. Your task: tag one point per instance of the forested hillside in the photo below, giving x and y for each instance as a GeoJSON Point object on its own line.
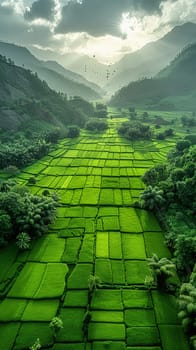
{"type": "Point", "coordinates": [55, 75]}
{"type": "Point", "coordinates": [23, 96]}
{"type": "Point", "coordinates": [174, 87]}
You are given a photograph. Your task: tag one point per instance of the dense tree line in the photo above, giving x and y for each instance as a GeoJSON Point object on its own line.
{"type": "Point", "coordinates": [20, 149]}
{"type": "Point", "coordinates": [23, 216]}
{"type": "Point", "coordinates": [171, 193]}
{"type": "Point", "coordinates": [96, 124]}
{"type": "Point", "coordinates": [135, 131]}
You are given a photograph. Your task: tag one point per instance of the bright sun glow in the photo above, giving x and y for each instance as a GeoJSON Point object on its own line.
{"type": "Point", "coordinates": [125, 25]}
{"type": "Point", "coordinates": [130, 24]}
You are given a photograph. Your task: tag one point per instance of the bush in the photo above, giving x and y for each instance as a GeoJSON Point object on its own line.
{"type": "Point", "coordinates": [135, 131]}
{"type": "Point", "coordinates": [56, 325]}
{"type": "Point", "coordinates": [73, 131]}
{"type": "Point", "coordinates": [162, 269]}
{"type": "Point", "coordinates": [96, 125]}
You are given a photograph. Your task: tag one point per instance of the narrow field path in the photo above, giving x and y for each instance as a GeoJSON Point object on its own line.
{"type": "Point", "coordinates": [97, 232]}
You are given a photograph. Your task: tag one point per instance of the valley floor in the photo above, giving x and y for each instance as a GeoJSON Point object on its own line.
{"type": "Point", "coordinates": [97, 232]}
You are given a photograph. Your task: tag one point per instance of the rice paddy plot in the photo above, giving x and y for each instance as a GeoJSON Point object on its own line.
{"type": "Point", "coordinates": [97, 236]}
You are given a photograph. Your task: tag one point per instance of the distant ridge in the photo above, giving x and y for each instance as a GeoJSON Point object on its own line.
{"type": "Point", "coordinates": [56, 76]}
{"type": "Point", "coordinates": [174, 87]}
{"type": "Point", "coordinates": [153, 57]}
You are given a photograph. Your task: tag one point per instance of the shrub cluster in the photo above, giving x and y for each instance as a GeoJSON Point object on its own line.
{"type": "Point", "coordinates": [23, 215]}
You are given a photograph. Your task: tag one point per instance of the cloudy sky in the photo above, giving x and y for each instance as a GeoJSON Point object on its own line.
{"type": "Point", "coordinates": [105, 29]}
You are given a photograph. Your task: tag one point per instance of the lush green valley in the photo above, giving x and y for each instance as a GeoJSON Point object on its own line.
{"type": "Point", "coordinates": [97, 196]}
{"type": "Point", "coordinates": [90, 270]}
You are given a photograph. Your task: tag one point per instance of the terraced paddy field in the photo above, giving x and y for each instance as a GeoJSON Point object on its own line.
{"type": "Point", "coordinates": [97, 231]}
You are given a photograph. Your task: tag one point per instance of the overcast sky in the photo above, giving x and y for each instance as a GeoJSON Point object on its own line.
{"type": "Point", "coordinates": [106, 29]}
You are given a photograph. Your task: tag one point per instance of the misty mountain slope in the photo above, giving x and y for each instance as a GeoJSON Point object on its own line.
{"type": "Point", "coordinates": [59, 82]}
{"type": "Point", "coordinates": [55, 66]}
{"type": "Point", "coordinates": [175, 84]}
{"type": "Point", "coordinates": [24, 97]}
{"type": "Point", "coordinates": [153, 57]}
{"type": "Point", "coordinates": [86, 66]}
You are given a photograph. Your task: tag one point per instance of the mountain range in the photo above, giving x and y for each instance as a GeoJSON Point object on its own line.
{"type": "Point", "coordinates": [54, 74]}
{"type": "Point", "coordinates": [172, 88]}
{"type": "Point", "coordinates": [153, 57]}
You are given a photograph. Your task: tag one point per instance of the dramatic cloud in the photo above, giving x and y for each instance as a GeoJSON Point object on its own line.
{"type": "Point", "coordinates": [41, 9]}
{"type": "Point", "coordinates": [105, 28]}
{"type": "Point", "coordinates": [101, 17]}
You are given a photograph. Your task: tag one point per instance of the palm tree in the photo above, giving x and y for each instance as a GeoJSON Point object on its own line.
{"type": "Point", "coordinates": [93, 283]}
{"type": "Point", "coordinates": [152, 198]}
{"type": "Point", "coordinates": [162, 269]}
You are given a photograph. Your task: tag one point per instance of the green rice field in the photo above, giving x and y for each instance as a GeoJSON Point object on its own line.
{"type": "Point", "coordinates": [96, 232]}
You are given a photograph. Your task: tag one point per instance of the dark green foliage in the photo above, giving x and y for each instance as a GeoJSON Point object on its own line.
{"type": "Point", "coordinates": [100, 111]}
{"type": "Point", "coordinates": [187, 307]}
{"type": "Point", "coordinates": [73, 131]}
{"type": "Point", "coordinates": [177, 182]}
{"type": "Point", "coordinates": [162, 269]}
{"type": "Point", "coordinates": [23, 241]}
{"type": "Point", "coordinates": [20, 153]}
{"type": "Point", "coordinates": [164, 134]}
{"type": "Point", "coordinates": [135, 131]}
{"type": "Point", "coordinates": [152, 198]}
{"type": "Point", "coordinates": [20, 211]}
{"type": "Point", "coordinates": [154, 175]}
{"type": "Point", "coordinates": [96, 125]}
{"type": "Point", "coordinates": [185, 250]}
{"type": "Point", "coordinates": [5, 226]}
{"type": "Point", "coordinates": [79, 104]}
{"type": "Point", "coordinates": [32, 180]}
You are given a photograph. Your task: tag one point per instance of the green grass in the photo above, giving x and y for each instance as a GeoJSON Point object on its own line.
{"type": "Point", "coordinates": [70, 346]}
{"type": "Point", "coordinates": [40, 281]}
{"type": "Point", "coordinates": [8, 333]}
{"type": "Point", "coordinates": [87, 249]}
{"type": "Point", "coordinates": [103, 270]}
{"type": "Point", "coordinates": [106, 331]}
{"type": "Point", "coordinates": [40, 310]}
{"type": "Point", "coordinates": [90, 196]}
{"type": "Point", "coordinates": [30, 331]}
{"type": "Point", "coordinates": [97, 231]}
{"type": "Point", "coordinates": [118, 273]}
{"type": "Point", "coordinates": [72, 247]}
{"type": "Point", "coordinates": [102, 245]}
{"type": "Point", "coordinates": [148, 221]}
{"type": "Point", "coordinates": [133, 299]}
{"type": "Point", "coordinates": [133, 246]}
{"type": "Point", "coordinates": [115, 249]}
{"type": "Point", "coordinates": [107, 316]}
{"type": "Point", "coordinates": [76, 298]}
{"type": "Point", "coordinates": [12, 309]}
{"type": "Point", "coordinates": [109, 345]}
{"type": "Point", "coordinates": [107, 300]}
{"type": "Point", "coordinates": [136, 271]}
{"type": "Point", "coordinates": [72, 325]}
{"type": "Point", "coordinates": [129, 221]}
{"type": "Point", "coordinates": [165, 308]}
{"type": "Point", "coordinates": [173, 337]}
{"type": "Point", "coordinates": [139, 318]}
{"type": "Point", "coordinates": [155, 243]}
{"type": "Point", "coordinates": [143, 336]}
{"type": "Point", "coordinates": [48, 248]}
{"type": "Point", "coordinates": [80, 276]}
